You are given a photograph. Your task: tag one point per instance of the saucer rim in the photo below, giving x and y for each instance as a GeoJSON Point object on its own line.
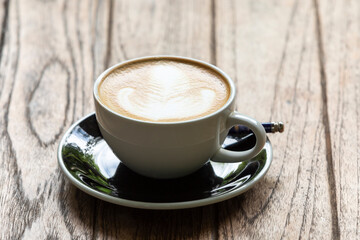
{"type": "Point", "coordinates": [156, 205]}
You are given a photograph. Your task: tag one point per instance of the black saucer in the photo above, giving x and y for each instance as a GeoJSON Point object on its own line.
{"type": "Point", "coordinates": [89, 163]}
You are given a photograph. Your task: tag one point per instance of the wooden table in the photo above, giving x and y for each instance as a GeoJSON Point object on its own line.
{"type": "Point", "coordinates": [296, 61]}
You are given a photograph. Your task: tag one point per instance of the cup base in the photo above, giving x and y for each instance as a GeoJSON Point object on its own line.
{"type": "Point", "coordinates": [156, 162]}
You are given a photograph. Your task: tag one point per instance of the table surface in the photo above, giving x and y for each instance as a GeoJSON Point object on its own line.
{"type": "Point", "coordinates": [292, 61]}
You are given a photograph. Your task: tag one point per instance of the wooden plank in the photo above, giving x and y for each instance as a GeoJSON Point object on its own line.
{"type": "Point", "coordinates": [51, 54]}
{"type": "Point", "coordinates": [142, 28]}
{"type": "Point", "coordinates": [339, 28]}
{"type": "Point", "coordinates": [271, 50]}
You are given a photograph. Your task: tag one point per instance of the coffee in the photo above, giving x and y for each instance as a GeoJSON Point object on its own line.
{"type": "Point", "coordinates": [163, 90]}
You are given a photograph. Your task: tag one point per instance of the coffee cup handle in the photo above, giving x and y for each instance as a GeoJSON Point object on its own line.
{"type": "Point", "coordinates": [235, 118]}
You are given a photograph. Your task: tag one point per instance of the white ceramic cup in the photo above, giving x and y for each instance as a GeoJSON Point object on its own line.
{"type": "Point", "coordinates": [170, 150]}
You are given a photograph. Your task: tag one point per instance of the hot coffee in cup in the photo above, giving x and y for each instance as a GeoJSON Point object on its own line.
{"type": "Point", "coordinates": [165, 116]}
{"type": "Point", "coordinates": [164, 90]}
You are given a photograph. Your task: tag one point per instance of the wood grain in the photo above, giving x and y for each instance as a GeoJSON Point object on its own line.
{"type": "Point", "coordinates": [339, 27]}
{"type": "Point", "coordinates": [44, 91]}
{"type": "Point", "coordinates": [272, 52]}
{"type": "Point", "coordinates": [294, 61]}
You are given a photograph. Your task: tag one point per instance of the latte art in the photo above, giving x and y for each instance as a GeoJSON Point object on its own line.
{"type": "Point", "coordinates": [163, 91]}
{"type": "Point", "coordinates": [168, 97]}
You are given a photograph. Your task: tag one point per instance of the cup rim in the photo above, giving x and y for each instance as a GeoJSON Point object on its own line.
{"type": "Point", "coordinates": [170, 57]}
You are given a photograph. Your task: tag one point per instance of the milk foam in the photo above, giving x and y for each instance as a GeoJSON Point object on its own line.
{"type": "Point", "coordinates": [163, 91]}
